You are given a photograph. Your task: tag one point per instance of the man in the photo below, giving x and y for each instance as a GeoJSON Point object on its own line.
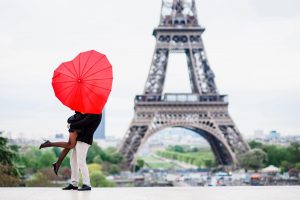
{"type": "Point", "coordinates": [88, 125]}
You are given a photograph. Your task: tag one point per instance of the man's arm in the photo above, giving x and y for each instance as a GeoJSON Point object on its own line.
{"type": "Point", "coordinates": [85, 121]}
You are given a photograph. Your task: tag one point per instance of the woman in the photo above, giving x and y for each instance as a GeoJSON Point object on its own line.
{"type": "Point", "coordinates": [66, 145]}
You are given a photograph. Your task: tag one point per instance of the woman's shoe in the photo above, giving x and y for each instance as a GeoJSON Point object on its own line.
{"type": "Point", "coordinates": [55, 168]}
{"type": "Point", "coordinates": [47, 143]}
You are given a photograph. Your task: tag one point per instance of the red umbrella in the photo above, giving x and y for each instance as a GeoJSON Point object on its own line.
{"type": "Point", "coordinates": [84, 83]}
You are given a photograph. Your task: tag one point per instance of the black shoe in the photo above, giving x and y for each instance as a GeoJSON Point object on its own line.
{"type": "Point", "coordinates": [45, 144]}
{"type": "Point", "coordinates": [70, 187]}
{"type": "Point", "coordinates": [55, 168]}
{"type": "Point", "coordinates": [84, 188]}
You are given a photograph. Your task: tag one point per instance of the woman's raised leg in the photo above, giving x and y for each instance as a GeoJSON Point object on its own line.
{"type": "Point", "coordinates": [69, 145]}
{"type": "Point", "coordinates": [65, 151]}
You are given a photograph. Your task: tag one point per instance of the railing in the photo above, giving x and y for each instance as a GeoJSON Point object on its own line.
{"type": "Point", "coordinates": [181, 98]}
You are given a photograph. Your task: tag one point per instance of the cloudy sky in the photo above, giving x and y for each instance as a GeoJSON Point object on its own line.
{"type": "Point", "coordinates": [252, 46]}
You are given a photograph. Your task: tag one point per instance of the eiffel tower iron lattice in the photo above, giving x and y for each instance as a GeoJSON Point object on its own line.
{"type": "Point", "coordinates": [203, 110]}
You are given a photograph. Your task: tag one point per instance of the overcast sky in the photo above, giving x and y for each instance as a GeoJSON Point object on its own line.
{"type": "Point", "coordinates": [252, 46]}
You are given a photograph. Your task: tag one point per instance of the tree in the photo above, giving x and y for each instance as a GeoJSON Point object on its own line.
{"type": "Point", "coordinates": [297, 166]}
{"type": "Point", "coordinates": [176, 148]}
{"type": "Point", "coordinates": [97, 159]}
{"type": "Point", "coordinates": [40, 180]}
{"type": "Point", "coordinates": [294, 150]}
{"type": "Point", "coordinates": [30, 158]}
{"type": "Point", "coordinates": [47, 158]}
{"type": "Point", "coordinates": [253, 159]}
{"type": "Point", "coordinates": [56, 151]}
{"type": "Point", "coordinates": [139, 164]}
{"type": "Point", "coordinates": [255, 144]}
{"type": "Point", "coordinates": [95, 150]}
{"type": "Point", "coordinates": [209, 163]}
{"type": "Point", "coordinates": [114, 169]}
{"type": "Point", "coordinates": [99, 180]}
{"type": "Point", "coordinates": [7, 155]}
{"type": "Point", "coordinates": [276, 154]}
{"type": "Point", "coordinates": [94, 167]}
{"type": "Point", "coordinates": [286, 166]}
{"type": "Point", "coordinates": [8, 177]}
{"type": "Point", "coordinates": [9, 174]}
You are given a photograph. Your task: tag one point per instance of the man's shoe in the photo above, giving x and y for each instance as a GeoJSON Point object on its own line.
{"type": "Point", "coordinates": [84, 188]}
{"type": "Point", "coordinates": [70, 187]}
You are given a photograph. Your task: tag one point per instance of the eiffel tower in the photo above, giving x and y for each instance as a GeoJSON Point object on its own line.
{"type": "Point", "coordinates": [203, 111]}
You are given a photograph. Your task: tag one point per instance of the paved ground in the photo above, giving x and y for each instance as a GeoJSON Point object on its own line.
{"type": "Point", "coordinates": [162, 193]}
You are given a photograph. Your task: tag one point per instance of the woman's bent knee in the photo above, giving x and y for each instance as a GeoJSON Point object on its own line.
{"type": "Point", "coordinates": [71, 145]}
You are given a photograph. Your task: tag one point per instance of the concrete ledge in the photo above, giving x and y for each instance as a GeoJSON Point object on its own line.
{"type": "Point", "coordinates": [155, 193]}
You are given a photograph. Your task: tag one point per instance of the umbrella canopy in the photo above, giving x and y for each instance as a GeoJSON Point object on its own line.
{"type": "Point", "coordinates": [270, 169]}
{"type": "Point", "coordinates": [84, 84]}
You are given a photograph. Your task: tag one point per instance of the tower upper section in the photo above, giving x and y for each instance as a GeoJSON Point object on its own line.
{"type": "Point", "coordinates": [179, 13]}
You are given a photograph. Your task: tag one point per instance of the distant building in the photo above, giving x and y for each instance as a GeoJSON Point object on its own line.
{"type": "Point", "coordinates": [274, 135]}
{"type": "Point", "coordinates": [100, 132]}
{"type": "Point", "coordinates": [109, 141]}
{"type": "Point", "coordinates": [259, 134]}
{"type": "Point", "coordinates": [59, 136]}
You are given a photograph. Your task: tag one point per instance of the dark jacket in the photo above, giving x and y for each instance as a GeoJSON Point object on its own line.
{"type": "Point", "coordinates": [75, 118]}
{"type": "Point", "coordinates": [88, 124]}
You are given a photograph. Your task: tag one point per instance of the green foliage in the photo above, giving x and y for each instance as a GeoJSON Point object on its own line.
{"type": "Point", "coordinates": [29, 158]}
{"type": "Point", "coordinates": [253, 159]}
{"type": "Point", "coordinates": [294, 150]}
{"type": "Point", "coordinates": [37, 164]}
{"type": "Point", "coordinates": [66, 162]}
{"type": "Point", "coordinates": [34, 159]}
{"type": "Point", "coordinates": [110, 155]}
{"type": "Point", "coordinates": [9, 173]}
{"type": "Point", "coordinates": [8, 176]}
{"type": "Point", "coordinates": [155, 163]}
{"type": "Point", "coordinates": [276, 154]}
{"type": "Point", "coordinates": [110, 158]}
{"type": "Point", "coordinates": [94, 167]}
{"type": "Point", "coordinates": [176, 148]}
{"type": "Point", "coordinates": [114, 169]}
{"type": "Point", "coordinates": [209, 163]}
{"type": "Point", "coordinates": [97, 177]}
{"type": "Point", "coordinates": [285, 157]}
{"type": "Point", "coordinates": [199, 159]}
{"type": "Point", "coordinates": [297, 166]}
{"type": "Point", "coordinates": [40, 179]}
{"type": "Point", "coordinates": [184, 148]}
{"type": "Point", "coordinates": [97, 159]}
{"type": "Point", "coordinates": [7, 154]}
{"type": "Point", "coordinates": [255, 144]}
{"type": "Point", "coordinates": [46, 159]}
{"type": "Point", "coordinates": [56, 151]}
{"type": "Point", "coordinates": [94, 151]}
{"type": "Point", "coordinates": [286, 166]}
{"type": "Point", "coordinates": [99, 180]}
{"type": "Point", "coordinates": [139, 164]}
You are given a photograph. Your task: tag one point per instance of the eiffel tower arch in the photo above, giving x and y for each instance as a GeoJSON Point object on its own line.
{"type": "Point", "coordinates": [203, 111]}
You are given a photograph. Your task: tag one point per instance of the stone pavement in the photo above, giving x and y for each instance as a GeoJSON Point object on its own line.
{"type": "Point", "coordinates": [156, 193]}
